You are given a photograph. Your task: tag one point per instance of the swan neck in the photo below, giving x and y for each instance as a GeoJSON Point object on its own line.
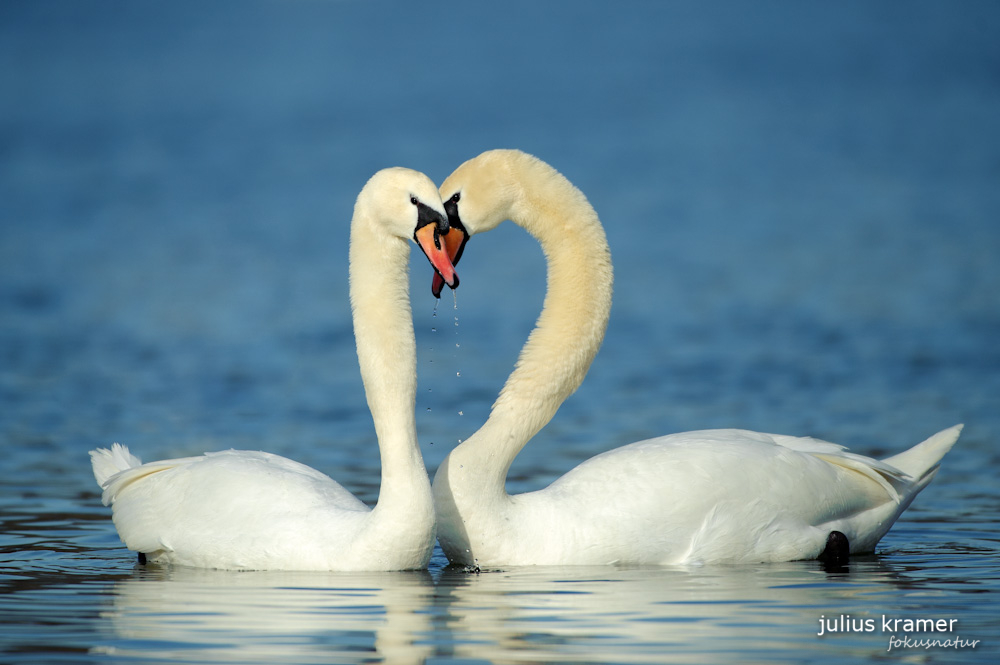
{"type": "Point", "coordinates": [570, 329]}
{"type": "Point", "coordinates": [383, 331]}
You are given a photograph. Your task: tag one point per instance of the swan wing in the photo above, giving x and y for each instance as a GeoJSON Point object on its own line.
{"type": "Point", "coordinates": [717, 495]}
{"type": "Point", "coordinates": [233, 509]}
{"type": "Point", "coordinates": [889, 478]}
{"type": "Point", "coordinates": [810, 476]}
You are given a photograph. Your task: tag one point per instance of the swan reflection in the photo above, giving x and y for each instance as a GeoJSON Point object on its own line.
{"type": "Point", "coordinates": [197, 615]}
{"type": "Point", "coordinates": [639, 615]}
{"type": "Point", "coordinates": [520, 615]}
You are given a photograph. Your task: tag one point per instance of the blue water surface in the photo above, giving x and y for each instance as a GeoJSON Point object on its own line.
{"type": "Point", "coordinates": [803, 206]}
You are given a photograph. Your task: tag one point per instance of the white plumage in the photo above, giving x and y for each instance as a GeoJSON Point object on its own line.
{"type": "Point", "coordinates": [714, 496]}
{"type": "Point", "coordinates": [254, 510]}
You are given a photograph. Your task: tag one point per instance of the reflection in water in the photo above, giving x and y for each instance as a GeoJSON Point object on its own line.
{"type": "Point", "coordinates": [521, 615]}
{"type": "Point", "coordinates": [193, 615]}
{"type": "Point", "coordinates": [653, 615]}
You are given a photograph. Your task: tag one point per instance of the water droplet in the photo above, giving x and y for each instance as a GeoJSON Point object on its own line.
{"type": "Point", "coordinates": [458, 374]}
{"type": "Point", "coordinates": [434, 329]}
{"type": "Point", "coordinates": [428, 409]}
{"type": "Point", "coordinates": [457, 345]}
{"type": "Point", "coordinates": [459, 413]}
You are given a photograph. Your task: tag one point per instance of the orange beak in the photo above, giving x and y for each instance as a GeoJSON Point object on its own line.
{"type": "Point", "coordinates": [429, 239]}
{"type": "Point", "coordinates": [454, 245]}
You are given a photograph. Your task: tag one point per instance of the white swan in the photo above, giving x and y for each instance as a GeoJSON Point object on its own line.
{"type": "Point", "coordinates": [697, 497]}
{"type": "Point", "coordinates": [255, 510]}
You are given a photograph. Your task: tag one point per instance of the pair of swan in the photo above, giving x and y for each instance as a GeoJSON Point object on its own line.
{"type": "Point", "coordinates": [716, 496]}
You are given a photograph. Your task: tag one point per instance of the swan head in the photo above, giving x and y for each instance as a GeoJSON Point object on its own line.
{"type": "Point", "coordinates": [409, 206]}
{"type": "Point", "coordinates": [478, 196]}
{"type": "Point", "coordinates": [482, 192]}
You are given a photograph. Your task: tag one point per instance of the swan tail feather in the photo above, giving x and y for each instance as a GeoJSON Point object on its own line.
{"type": "Point", "coordinates": [117, 468]}
{"type": "Point", "coordinates": [108, 462]}
{"type": "Point", "coordinates": [921, 461]}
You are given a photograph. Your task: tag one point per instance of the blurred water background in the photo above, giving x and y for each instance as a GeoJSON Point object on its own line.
{"type": "Point", "coordinates": [803, 205]}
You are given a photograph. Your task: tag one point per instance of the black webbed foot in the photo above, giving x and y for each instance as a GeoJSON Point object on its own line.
{"type": "Point", "coordinates": [837, 550]}
{"type": "Point", "coordinates": [142, 559]}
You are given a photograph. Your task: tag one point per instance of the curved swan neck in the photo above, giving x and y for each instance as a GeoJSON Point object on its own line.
{"type": "Point", "coordinates": [383, 331]}
{"type": "Point", "coordinates": [574, 315]}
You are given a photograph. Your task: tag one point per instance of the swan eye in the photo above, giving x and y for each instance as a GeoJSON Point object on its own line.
{"type": "Point", "coordinates": [456, 197]}
{"type": "Point", "coordinates": [413, 200]}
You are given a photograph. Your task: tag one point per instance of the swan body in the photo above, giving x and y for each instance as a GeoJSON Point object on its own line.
{"type": "Point", "coordinates": [254, 510]}
{"type": "Point", "coordinates": [714, 496]}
